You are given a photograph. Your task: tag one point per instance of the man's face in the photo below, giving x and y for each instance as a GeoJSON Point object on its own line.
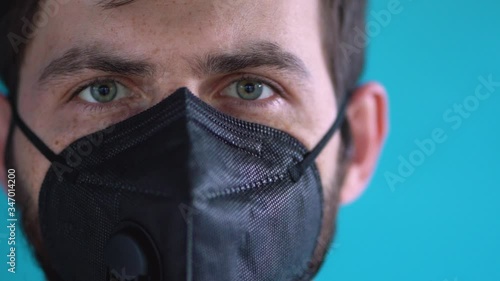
{"type": "Point", "coordinates": [151, 48]}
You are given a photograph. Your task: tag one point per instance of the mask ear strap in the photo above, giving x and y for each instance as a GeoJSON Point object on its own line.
{"type": "Point", "coordinates": [34, 139]}
{"type": "Point", "coordinates": [298, 170]}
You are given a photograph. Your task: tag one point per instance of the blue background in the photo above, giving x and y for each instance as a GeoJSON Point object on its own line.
{"type": "Point", "coordinates": [442, 222]}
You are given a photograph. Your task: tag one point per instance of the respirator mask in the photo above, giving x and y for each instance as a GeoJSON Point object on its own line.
{"type": "Point", "coordinates": [182, 192]}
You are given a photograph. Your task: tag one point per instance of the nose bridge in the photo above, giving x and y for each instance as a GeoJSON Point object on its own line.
{"type": "Point", "coordinates": [178, 74]}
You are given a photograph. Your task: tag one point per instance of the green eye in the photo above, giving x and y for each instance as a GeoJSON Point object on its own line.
{"type": "Point", "coordinates": [104, 92]}
{"type": "Point", "coordinates": [248, 89]}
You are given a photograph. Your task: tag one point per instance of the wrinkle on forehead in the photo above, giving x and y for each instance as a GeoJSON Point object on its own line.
{"type": "Point", "coordinates": [165, 30]}
{"type": "Point", "coordinates": [225, 20]}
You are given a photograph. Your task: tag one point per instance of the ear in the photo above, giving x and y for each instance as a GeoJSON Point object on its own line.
{"type": "Point", "coordinates": [368, 121]}
{"type": "Point", "coordinates": [5, 116]}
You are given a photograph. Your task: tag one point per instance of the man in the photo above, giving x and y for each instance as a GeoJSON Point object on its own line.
{"type": "Point", "coordinates": [76, 67]}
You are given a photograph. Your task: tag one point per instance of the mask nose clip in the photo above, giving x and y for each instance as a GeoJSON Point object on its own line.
{"type": "Point", "coordinates": [131, 255]}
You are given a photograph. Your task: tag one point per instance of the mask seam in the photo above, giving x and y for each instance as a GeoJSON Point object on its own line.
{"type": "Point", "coordinates": [243, 188]}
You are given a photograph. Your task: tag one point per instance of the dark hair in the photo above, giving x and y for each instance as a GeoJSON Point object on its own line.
{"type": "Point", "coordinates": [11, 25]}
{"type": "Point", "coordinates": [345, 55]}
{"type": "Point", "coordinates": [340, 17]}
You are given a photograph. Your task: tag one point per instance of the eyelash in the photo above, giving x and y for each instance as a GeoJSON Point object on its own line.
{"type": "Point", "coordinates": [277, 89]}
{"type": "Point", "coordinates": [97, 107]}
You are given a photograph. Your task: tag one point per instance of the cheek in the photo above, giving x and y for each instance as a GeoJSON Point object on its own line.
{"type": "Point", "coordinates": [311, 119]}
{"type": "Point", "coordinates": [31, 166]}
{"type": "Point", "coordinates": [327, 164]}
{"type": "Point", "coordinates": [311, 123]}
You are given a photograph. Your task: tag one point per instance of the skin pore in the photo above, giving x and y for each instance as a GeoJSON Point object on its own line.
{"type": "Point", "coordinates": [155, 47]}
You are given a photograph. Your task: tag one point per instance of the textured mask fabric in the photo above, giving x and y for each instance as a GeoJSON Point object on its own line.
{"type": "Point", "coordinates": [212, 193]}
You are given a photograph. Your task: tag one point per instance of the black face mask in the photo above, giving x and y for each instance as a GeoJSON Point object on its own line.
{"type": "Point", "coordinates": [182, 192]}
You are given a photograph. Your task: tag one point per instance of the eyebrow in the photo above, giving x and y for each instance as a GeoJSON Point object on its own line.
{"type": "Point", "coordinates": [111, 4]}
{"type": "Point", "coordinates": [253, 55]}
{"type": "Point", "coordinates": [96, 57]}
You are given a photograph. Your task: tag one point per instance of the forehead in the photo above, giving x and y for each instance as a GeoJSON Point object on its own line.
{"type": "Point", "coordinates": [181, 26]}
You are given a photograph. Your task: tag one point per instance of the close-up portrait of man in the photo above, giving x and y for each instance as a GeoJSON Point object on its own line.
{"type": "Point", "coordinates": [199, 140]}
